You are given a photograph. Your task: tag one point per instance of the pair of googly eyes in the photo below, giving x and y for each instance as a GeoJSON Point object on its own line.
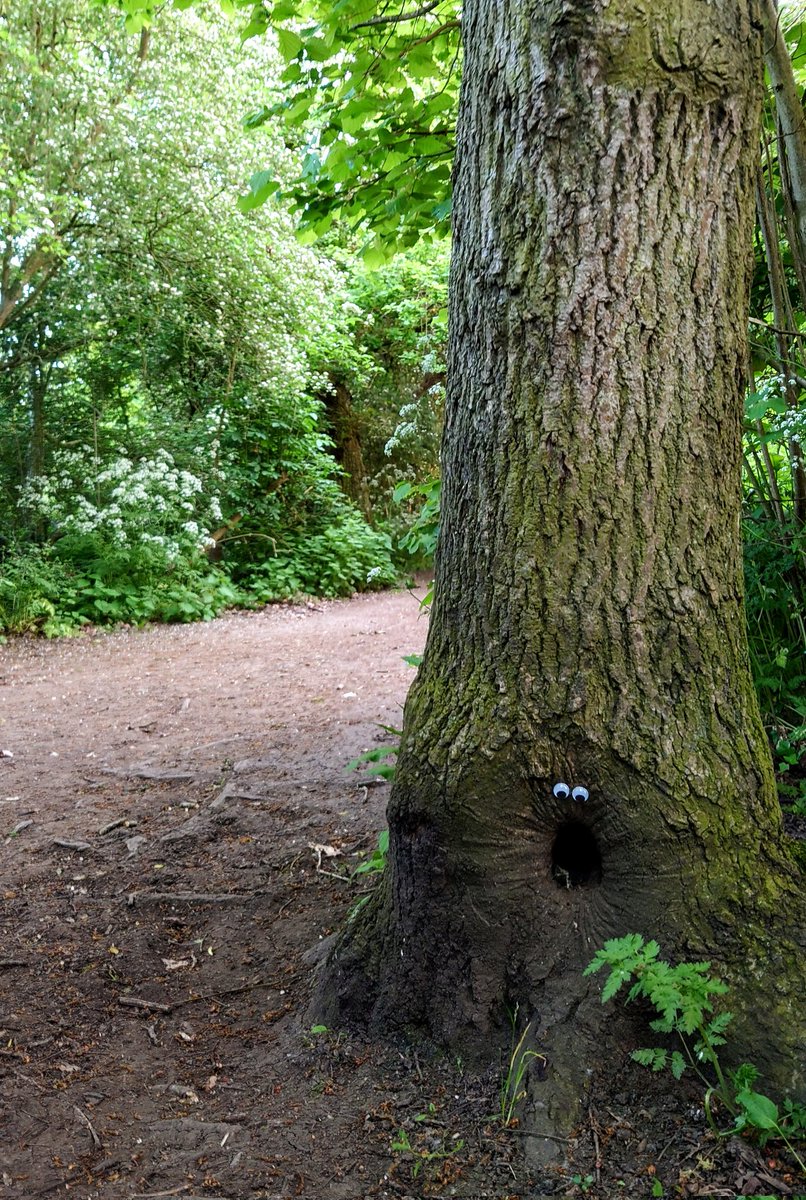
{"type": "Point", "coordinates": [562, 791]}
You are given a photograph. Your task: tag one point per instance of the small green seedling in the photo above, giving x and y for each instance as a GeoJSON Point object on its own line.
{"type": "Point", "coordinates": [373, 866]}
{"type": "Point", "coordinates": [402, 1144]}
{"type": "Point", "coordinates": [372, 762]}
{"type": "Point", "coordinates": [376, 863]}
{"type": "Point", "coordinates": [512, 1091]}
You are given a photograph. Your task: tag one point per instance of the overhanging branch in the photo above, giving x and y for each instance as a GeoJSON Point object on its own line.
{"type": "Point", "coordinates": [396, 20]}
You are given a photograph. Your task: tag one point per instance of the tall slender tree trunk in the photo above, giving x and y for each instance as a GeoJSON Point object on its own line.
{"type": "Point", "coordinates": [347, 442]}
{"type": "Point", "coordinates": [38, 380]}
{"type": "Point", "coordinates": [588, 624]}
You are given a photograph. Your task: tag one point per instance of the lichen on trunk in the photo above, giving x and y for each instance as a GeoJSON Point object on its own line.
{"type": "Point", "coordinates": [588, 624]}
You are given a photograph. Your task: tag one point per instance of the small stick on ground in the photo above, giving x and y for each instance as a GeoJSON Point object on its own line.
{"type": "Point", "coordinates": [146, 1005]}
{"type": "Point", "coordinates": [156, 1195]}
{"type": "Point", "coordinates": [233, 991]}
{"type": "Point", "coordinates": [658, 1157]}
{"type": "Point", "coordinates": [548, 1137]}
{"type": "Point", "coordinates": [18, 828]}
{"type": "Point", "coordinates": [69, 844]}
{"type": "Point", "coordinates": [28, 1079]}
{"type": "Point", "coordinates": [597, 1148]}
{"type": "Point", "coordinates": [96, 1141]}
{"type": "Point", "coordinates": [188, 897]}
{"type": "Point", "coordinates": [116, 825]}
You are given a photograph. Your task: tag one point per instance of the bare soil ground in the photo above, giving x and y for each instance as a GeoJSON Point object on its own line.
{"type": "Point", "coordinates": [177, 834]}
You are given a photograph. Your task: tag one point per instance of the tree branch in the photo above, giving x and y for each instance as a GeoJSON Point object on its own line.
{"type": "Point", "coordinates": [409, 16]}
{"type": "Point", "coordinates": [430, 37]}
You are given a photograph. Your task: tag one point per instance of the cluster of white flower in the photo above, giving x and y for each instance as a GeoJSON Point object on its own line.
{"type": "Point", "coordinates": [772, 392]}
{"type": "Point", "coordinates": [151, 503]}
{"type": "Point", "coordinates": [410, 426]}
{"type": "Point", "coordinates": [792, 424]}
{"type": "Point", "coordinates": [772, 387]}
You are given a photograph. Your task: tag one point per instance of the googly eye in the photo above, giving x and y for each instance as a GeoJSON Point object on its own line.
{"type": "Point", "coordinates": [562, 791]}
{"type": "Point", "coordinates": [580, 793]}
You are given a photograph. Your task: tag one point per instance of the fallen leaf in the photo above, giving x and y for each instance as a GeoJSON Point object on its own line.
{"type": "Point", "coordinates": [176, 964]}
{"type": "Point", "coordinates": [328, 851]}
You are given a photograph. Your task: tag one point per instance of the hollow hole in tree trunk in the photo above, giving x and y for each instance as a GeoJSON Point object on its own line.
{"type": "Point", "coordinates": [575, 856]}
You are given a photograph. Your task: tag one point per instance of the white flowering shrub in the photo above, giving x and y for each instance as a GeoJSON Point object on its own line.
{"type": "Point", "coordinates": [127, 543]}
{"type": "Point", "coordinates": [151, 513]}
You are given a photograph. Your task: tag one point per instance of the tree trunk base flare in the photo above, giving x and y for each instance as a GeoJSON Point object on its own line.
{"type": "Point", "coordinates": [465, 933]}
{"type": "Point", "coordinates": [588, 625]}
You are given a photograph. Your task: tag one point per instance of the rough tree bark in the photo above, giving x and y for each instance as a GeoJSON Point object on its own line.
{"type": "Point", "coordinates": [588, 623]}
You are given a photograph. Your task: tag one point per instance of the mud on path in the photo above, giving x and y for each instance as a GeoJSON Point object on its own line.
{"type": "Point", "coordinates": [177, 835]}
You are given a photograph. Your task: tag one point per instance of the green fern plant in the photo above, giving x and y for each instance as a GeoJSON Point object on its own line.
{"type": "Point", "coordinates": [683, 997]}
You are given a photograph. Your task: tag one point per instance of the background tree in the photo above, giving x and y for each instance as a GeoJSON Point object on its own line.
{"type": "Point", "coordinates": [588, 622]}
{"type": "Point", "coordinates": [775, 484]}
{"type": "Point", "coordinates": [142, 312]}
{"type": "Point", "coordinates": [385, 363]}
{"type": "Point", "coordinates": [372, 92]}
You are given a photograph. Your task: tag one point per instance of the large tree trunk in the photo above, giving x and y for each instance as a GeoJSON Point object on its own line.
{"type": "Point", "coordinates": [588, 623]}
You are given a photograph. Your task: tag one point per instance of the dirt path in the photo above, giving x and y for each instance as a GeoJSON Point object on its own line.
{"type": "Point", "coordinates": [165, 799]}
{"type": "Point", "coordinates": [158, 811]}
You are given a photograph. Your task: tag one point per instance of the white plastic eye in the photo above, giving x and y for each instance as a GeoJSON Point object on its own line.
{"type": "Point", "coordinates": [580, 793]}
{"type": "Point", "coordinates": [562, 790]}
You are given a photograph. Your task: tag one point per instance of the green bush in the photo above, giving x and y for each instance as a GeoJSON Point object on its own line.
{"type": "Point", "coordinates": [43, 592]}
{"type": "Point", "coordinates": [35, 587]}
{"type": "Point", "coordinates": [343, 558]}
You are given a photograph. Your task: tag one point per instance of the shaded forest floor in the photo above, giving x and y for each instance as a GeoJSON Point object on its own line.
{"type": "Point", "coordinates": [178, 833]}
